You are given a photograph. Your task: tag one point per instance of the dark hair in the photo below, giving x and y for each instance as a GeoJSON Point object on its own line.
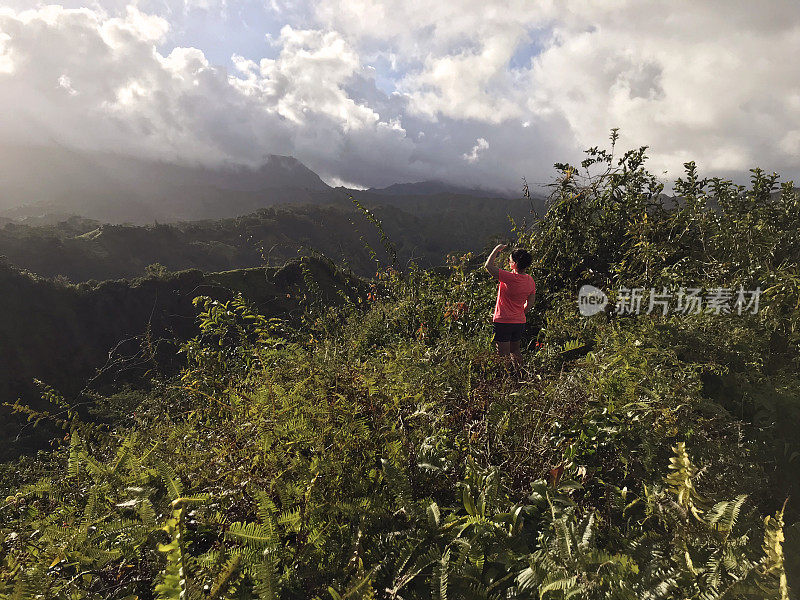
{"type": "Point", "coordinates": [522, 257]}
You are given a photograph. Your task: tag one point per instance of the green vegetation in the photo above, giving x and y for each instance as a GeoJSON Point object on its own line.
{"type": "Point", "coordinates": [423, 228]}
{"type": "Point", "coordinates": [376, 448]}
{"type": "Point", "coordinates": [91, 338]}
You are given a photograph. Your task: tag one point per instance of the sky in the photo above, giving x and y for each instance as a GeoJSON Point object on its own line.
{"type": "Point", "coordinates": [368, 93]}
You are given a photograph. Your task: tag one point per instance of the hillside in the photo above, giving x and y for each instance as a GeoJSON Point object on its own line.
{"type": "Point", "coordinates": [423, 231]}
{"type": "Point", "coordinates": [376, 446]}
{"type": "Point", "coordinates": [62, 334]}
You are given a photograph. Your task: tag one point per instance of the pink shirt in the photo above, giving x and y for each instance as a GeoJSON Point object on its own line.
{"type": "Point", "coordinates": [512, 296]}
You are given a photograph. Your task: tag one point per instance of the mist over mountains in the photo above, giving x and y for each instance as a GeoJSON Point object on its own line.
{"type": "Point", "coordinates": [117, 188]}
{"type": "Point", "coordinates": [433, 187]}
{"type": "Point", "coordinates": [114, 188]}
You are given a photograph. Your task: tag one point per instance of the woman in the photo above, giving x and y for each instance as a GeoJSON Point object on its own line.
{"type": "Point", "coordinates": [516, 293]}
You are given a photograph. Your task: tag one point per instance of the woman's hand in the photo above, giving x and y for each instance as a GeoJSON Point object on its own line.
{"type": "Point", "coordinates": [489, 265]}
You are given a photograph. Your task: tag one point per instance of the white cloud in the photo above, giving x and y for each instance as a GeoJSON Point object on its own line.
{"type": "Point", "coordinates": [132, 98]}
{"type": "Point", "coordinates": [308, 76]}
{"type": "Point", "coordinates": [454, 55]}
{"type": "Point", "coordinates": [371, 92]}
{"type": "Point", "coordinates": [65, 83]}
{"type": "Point", "coordinates": [480, 145]}
{"type": "Point", "coordinates": [712, 81]}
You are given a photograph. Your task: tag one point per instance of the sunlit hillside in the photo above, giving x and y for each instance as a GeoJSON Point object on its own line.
{"type": "Point", "coordinates": [368, 442]}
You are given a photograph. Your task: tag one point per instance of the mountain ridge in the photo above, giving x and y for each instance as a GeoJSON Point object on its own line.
{"type": "Point", "coordinates": [434, 186]}
{"type": "Point", "coordinates": [116, 188]}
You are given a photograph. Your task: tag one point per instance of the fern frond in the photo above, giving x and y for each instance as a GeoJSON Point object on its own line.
{"type": "Point", "coordinates": [124, 452]}
{"type": "Point", "coordinates": [23, 590]}
{"type": "Point", "coordinates": [680, 480]}
{"type": "Point", "coordinates": [146, 512]}
{"type": "Point", "coordinates": [170, 587]}
{"type": "Point", "coordinates": [265, 573]}
{"type": "Point", "coordinates": [40, 488]}
{"type": "Point", "coordinates": [527, 578]}
{"type": "Point", "coordinates": [174, 582]}
{"type": "Point", "coordinates": [74, 460]}
{"type": "Point", "coordinates": [223, 581]}
{"type": "Point", "coordinates": [266, 507]}
{"type": "Point", "coordinates": [478, 590]}
{"type": "Point", "coordinates": [570, 345]}
{"type": "Point", "coordinates": [773, 565]}
{"type": "Point", "coordinates": [444, 566]}
{"type": "Point", "coordinates": [424, 561]}
{"type": "Point", "coordinates": [170, 479]}
{"type": "Point", "coordinates": [723, 515]}
{"type": "Point", "coordinates": [587, 537]}
{"type": "Point", "coordinates": [567, 585]}
{"type": "Point", "coordinates": [290, 519]}
{"type": "Point", "coordinates": [255, 535]}
{"type": "Point", "coordinates": [562, 542]}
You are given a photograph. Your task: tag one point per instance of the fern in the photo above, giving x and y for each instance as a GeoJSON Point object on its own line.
{"type": "Point", "coordinates": [773, 565]}
{"type": "Point", "coordinates": [265, 573]}
{"type": "Point", "coordinates": [441, 577]}
{"type": "Point", "coordinates": [225, 580]}
{"type": "Point", "coordinates": [567, 585]}
{"type": "Point", "coordinates": [570, 346]}
{"type": "Point", "coordinates": [174, 584]}
{"type": "Point", "coordinates": [74, 462]}
{"type": "Point", "coordinates": [170, 479]}
{"type": "Point", "coordinates": [253, 534]}
{"type": "Point", "coordinates": [723, 515]}
{"type": "Point", "coordinates": [680, 480]}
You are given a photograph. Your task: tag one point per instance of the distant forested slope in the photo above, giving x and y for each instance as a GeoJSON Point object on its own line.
{"type": "Point", "coordinates": [62, 334]}
{"type": "Point", "coordinates": [423, 229]}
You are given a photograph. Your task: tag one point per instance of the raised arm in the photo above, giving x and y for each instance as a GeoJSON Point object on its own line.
{"type": "Point", "coordinates": [489, 265]}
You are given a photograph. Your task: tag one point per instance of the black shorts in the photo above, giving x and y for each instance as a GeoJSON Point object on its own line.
{"type": "Point", "coordinates": [508, 332]}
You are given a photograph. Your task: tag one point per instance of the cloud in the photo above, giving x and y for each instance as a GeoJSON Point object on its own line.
{"type": "Point", "coordinates": [710, 81]}
{"type": "Point", "coordinates": [374, 93]}
{"type": "Point", "coordinates": [82, 78]}
{"type": "Point", "coordinates": [97, 80]}
{"type": "Point", "coordinates": [65, 83]}
{"type": "Point", "coordinates": [452, 58]}
{"type": "Point", "coordinates": [480, 145]}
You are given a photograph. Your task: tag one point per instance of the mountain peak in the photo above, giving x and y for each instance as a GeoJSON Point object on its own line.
{"type": "Point", "coordinates": [116, 187]}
